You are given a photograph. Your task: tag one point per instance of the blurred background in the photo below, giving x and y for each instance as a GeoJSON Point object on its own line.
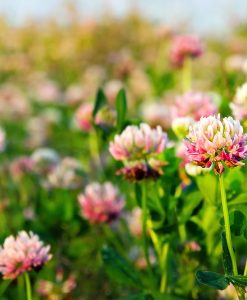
{"type": "Point", "coordinates": [207, 17]}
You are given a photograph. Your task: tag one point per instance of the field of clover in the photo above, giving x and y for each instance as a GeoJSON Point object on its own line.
{"type": "Point", "coordinates": [122, 162]}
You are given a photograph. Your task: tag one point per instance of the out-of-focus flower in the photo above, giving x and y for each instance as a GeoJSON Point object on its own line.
{"type": "Point", "coordinates": [13, 104]}
{"type": "Point", "coordinates": [134, 221]}
{"type": "Point", "coordinates": [59, 289]}
{"type": "Point", "coordinates": [74, 95]}
{"type": "Point", "coordinates": [228, 294]}
{"type": "Point", "coordinates": [46, 90]}
{"type": "Point", "coordinates": [45, 287]}
{"type": "Point", "coordinates": [22, 254]}
{"type": "Point", "coordinates": [139, 85]}
{"type": "Point", "coordinates": [181, 126]}
{"type": "Point", "coordinates": [38, 132]}
{"type": "Point", "coordinates": [157, 114]}
{"type": "Point", "coordinates": [106, 117]}
{"type": "Point", "coordinates": [29, 214]}
{"type": "Point", "coordinates": [192, 246]}
{"type": "Point", "coordinates": [20, 166]}
{"type": "Point", "coordinates": [194, 105]}
{"type": "Point", "coordinates": [44, 160]}
{"type": "Point", "coordinates": [136, 143]}
{"type": "Point", "coordinates": [212, 141]}
{"type": "Point", "coordinates": [2, 139]}
{"type": "Point", "coordinates": [101, 203]}
{"type": "Point", "coordinates": [111, 90]}
{"type": "Point", "coordinates": [185, 46]}
{"type": "Point", "coordinates": [66, 174]}
{"type": "Point", "coordinates": [236, 63]}
{"type": "Point", "coordinates": [239, 104]}
{"type": "Point", "coordinates": [84, 117]}
{"type": "Point", "coordinates": [195, 170]}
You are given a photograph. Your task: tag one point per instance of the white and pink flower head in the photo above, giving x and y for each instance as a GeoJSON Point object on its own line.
{"type": "Point", "coordinates": [138, 142]}
{"type": "Point", "coordinates": [101, 203]}
{"type": "Point", "coordinates": [194, 105]}
{"type": "Point", "coordinates": [84, 117]}
{"type": "Point", "coordinates": [185, 46]}
{"type": "Point", "coordinates": [138, 146]}
{"type": "Point", "coordinates": [22, 254]}
{"type": "Point", "coordinates": [215, 142]}
{"type": "Point", "coordinates": [239, 104]}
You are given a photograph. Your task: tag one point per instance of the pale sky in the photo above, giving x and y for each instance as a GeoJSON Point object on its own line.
{"type": "Point", "coordinates": [207, 16]}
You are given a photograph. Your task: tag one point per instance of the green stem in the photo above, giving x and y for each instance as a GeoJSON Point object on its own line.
{"type": "Point", "coordinates": [245, 269]}
{"type": "Point", "coordinates": [144, 226]}
{"type": "Point", "coordinates": [227, 225]}
{"type": "Point", "coordinates": [186, 75]}
{"type": "Point", "coordinates": [163, 263]}
{"type": "Point", "coordinates": [28, 286]}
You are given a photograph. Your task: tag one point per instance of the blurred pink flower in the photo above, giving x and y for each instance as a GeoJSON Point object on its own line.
{"type": "Point", "coordinates": [47, 90]}
{"type": "Point", "coordinates": [192, 246]}
{"type": "Point", "coordinates": [66, 174]}
{"type": "Point", "coordinates": [156, 113]}
{"type": "Point", "coordinates": [101, 203]}
{"type": "Point", "coordinates": [58, 289]}
{"type": "Point", "coordinates": [84, 117]}
{"type": "Point", "coordinates": [138, 142]}
{"type": "Point", "coordinates": [22, 254]}
{"type": "Point", "coordinates": [2, 139]}
{"type": "Point", "coordinates": [185, 46]}
{"type": "Point", "coordinates": [134, 222]}
{"type": "Point", "coordinates": [20, 166]}
{"type": "Point", "coordinates": [239, 104]}
{"type": "Point", "coordinates": [212, 141]}
{"type": "Point", "coordinates": [44, 160]}
{"type": "Point", "coordinates": [194, 105]}
{"type": "Point", "coordinates": [74, 95]}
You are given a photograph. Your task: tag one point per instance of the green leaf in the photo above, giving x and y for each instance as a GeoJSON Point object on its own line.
{"type": "Point", "coordinates": [204, 182]}
{"type": "Point", "coordinates": [237, 222]}
{"type": "Point", "coordinates": [239, 200]}
{"type": "Point", "coordinates": [4, 285]}
{"type": "Point", "coordinates": [190, 203]}
{"type": "Point", "coordinates": [100, 101]}
{"type": "Point", "coordinates": [238, 280]}
{"type": "Point", "coordinates": [119, 269]}
{"type": "Point", "coordinates": [227, 262]}
{"type": "Point", "coordinates": [212, 279]}
{"type": "Point", "coordinates": [121, 107]}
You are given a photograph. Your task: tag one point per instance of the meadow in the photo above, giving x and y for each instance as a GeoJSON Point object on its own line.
{"type": "Point", "coordinates": [122, 161]}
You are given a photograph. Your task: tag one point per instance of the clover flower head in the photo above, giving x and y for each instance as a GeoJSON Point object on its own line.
{"type": "Point", "coordinates": [138, 142]}
{"type": "Point", "coordinates": [22, 254]}
{"type": "Point", "coordinates": [212, 141]}
{"type": "Point", "coordinates": [101, 203]}
{"type": "Point", "coordinates": [184, 46]}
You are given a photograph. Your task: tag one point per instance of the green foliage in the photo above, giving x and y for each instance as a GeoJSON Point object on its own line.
{"type": "Point", "coordinates": [212, 279]}
{"type": "Point", "coordinates": [121, 107]}
{"type": "Point", "coordinates": [119, 269]}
